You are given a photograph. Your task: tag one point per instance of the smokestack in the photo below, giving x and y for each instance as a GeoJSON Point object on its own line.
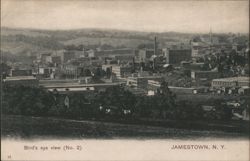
{"type": "Point", "coordinates": [155, 53]}
{"type": "Point", "coordinates": [210, 36]}
{"type": "Point", "coordinates": [211, 40]}
{"type": "Point", "coordinates": [155, 47]}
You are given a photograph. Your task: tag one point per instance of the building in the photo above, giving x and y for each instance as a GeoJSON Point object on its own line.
{"type": "Point", "coordinates": [124, 58]}
{"type": "Point", "coordinates": [46, 70]}
{"type": "Point", "coordinates": [203, 78]}
{"type": "Point", "coordinates": [68, 55]}
{"type": "Point", "coordinates": [176, 56]}
{"type": "Point", "coordinates": [21, 80]}
{"type": "Point", "coordinates": [68, 87]}
{"type": "Point", "coordinates": [144, 55]}
{"type": "Point", "coordinates": [245, 114]}
{"type": "Point", "coordinates": [204, 44]}
{"type": "Point", "coordinates": [45, 58]}
{"type": "Point", "coordinates": [245, 90]}
{"type": "Point", "coordinates": [20, 72]}
{"type": "Point", "coordinates": [231, 82]}
{"type": "Point", "coordinates": [138, 82]}
{"type": "Point", "coordinates": [144, 82]}
{"type": "Point", "coordinates": [71, 71]}
{"type": "Point", "coordinates": [96, 61]}
{"type": "Point", "coordinates": [205, 75]}
{"type": "Point", "coordinates": [192, 66]}
{"type": "Point", "coordinates": [239, 47]}
{"type": "Point", "coordinates": [115, 52]}
{"type": "Point", "coordinates": [153, 85]}
{"type": "Point", "coordinates": [198, 49]}
{"type": "Point", "coordinates": [85, 80]}
{"type": "Point", "coordinates": [119, 71]}
{"type": "Point", "coordinates": [105, 67]}
{"type": "Point", "coordinates": [90, 53]}
{"type": "Point", "coordinates": [79, 53]}
{"type": "Point", "coordinates": [56, 60]}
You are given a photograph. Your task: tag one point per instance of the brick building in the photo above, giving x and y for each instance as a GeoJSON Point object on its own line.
{"type": "Point", "coordinates": [176, 56]}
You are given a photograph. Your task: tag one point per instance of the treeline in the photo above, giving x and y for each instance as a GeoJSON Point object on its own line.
{"type": "Point", "coordinates": [113, 103]}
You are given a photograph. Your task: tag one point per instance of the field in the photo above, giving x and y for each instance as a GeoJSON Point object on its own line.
{"type": "Point", "coordinates": [37, 127]}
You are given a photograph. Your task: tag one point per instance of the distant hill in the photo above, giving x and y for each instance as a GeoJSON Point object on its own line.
{"type": "Point", "coordinates": [19, 41]}
{"type": "Point", "coordinates": [27, 32]}
{"type": "Point", "coordinates": [130, 43]}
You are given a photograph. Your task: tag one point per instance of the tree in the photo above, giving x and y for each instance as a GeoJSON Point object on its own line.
{"type": "Point", "coordinates": [98, 73]}
{"type": "Point", "coordinates": [188, 110]}
{"type": "Point", "coordinates": [118, 97]}
{"type": "Point", "coordinates": [4, 69]}
{"type": "Point", "coordinates": [87, 72]}
{"type": "Point", "coordinates": [165, 100]}
{"type": "Point", "coordinates": [27, 100]}
{"type": "Point", "coordinates": [80, 107]}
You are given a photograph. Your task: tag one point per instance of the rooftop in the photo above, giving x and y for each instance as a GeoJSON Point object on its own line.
{"type": "Point", "coordinates": [77, 85]}
{"type": "Point", "coordinates": [245, 79]}
{"type": "Point", "coordinates": [19, 78]}
{"type": "Point", "coordinates": [205, 71]}
{"type": "Point", "coordinates": [180, 49]}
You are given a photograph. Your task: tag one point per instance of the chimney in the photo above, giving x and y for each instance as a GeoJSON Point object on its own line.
{"type": "Point", "coordinates": [155, 53]}
{"type": "Point", "coordinates": [155, 47]}
{"type": "Point", "coordinates": [210, 36]}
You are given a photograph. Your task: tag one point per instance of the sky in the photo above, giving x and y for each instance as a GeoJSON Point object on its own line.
{"type": "Point", "coordinates": [191, 16]}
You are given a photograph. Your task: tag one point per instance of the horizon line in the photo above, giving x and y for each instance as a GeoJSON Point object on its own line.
{"type": "Point", "coordinates": [123, 30]}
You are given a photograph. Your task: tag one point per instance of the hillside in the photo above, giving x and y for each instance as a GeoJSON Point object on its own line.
{"type": "Point", "coordinates": [20, 41]}
{"type": "Point", "coordinates": [11, 31]}
{"type": "Point", "coordinates": [130, 43]}
{"type": "Point", "coordinates": [18, 47]}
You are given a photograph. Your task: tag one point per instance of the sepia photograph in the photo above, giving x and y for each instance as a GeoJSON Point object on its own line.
{"type": "Point", "coordinates": [125, 80]}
